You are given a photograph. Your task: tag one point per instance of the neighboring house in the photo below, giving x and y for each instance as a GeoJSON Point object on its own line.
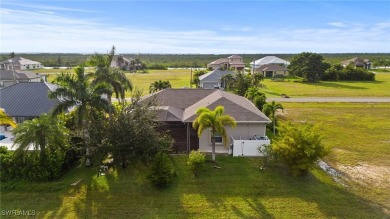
{"type": "Point", "coordinates": [233, 62]}
{"type": "Point", "coordinates": [269, 60]}
{"type": "Point", "coordinates": [271, 70]}
{"type": "Point", "coordinates": [10, 77]}
{"type": "Point", "coordinates": [24, 101]}
{"type": "Point", "coordinates": [357, 62]}
{"type": "Point", "coordinates": [20, 63]}
{"type": "Point", "coordinates": [212, 79]}
{"type": "Point", "coordinates": [176, 108]}
{"type": "Point", "coordinates": [121, 62]}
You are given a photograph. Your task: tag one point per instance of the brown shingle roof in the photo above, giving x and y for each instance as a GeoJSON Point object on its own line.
{"type": "Point", "coordinates": [271, 67]}
{"type": "Point", "coordinates": [172, 101]}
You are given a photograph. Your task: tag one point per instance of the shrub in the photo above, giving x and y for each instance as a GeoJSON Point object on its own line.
{"type": "Point", "coordinates": [28, 167]}
{"type": "Point", "coordinates": [196, 161]}
{"type": "Point", "coordinates": [162, 172]}
{"type": "Point", "coordinates": [299, 147]}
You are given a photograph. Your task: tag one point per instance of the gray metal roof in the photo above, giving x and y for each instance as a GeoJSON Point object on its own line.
{"type": "Point", "coordinates": [214, 76]}
{"type": "Point", "coordinates": [28, 99]}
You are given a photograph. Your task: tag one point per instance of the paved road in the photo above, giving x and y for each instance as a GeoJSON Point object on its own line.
{"type": "Point", "coordinates": [333, 99]}
{"type": "Point", "coordinates": [321, 99]}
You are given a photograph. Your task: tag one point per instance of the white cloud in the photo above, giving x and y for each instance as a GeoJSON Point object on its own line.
{"type": "Point", "coordinates": [337, 24]}
{"type": "Point", "coordinates": [47, 32]}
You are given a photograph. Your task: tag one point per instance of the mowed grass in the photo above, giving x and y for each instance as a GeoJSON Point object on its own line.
{"type": "Point", "coordinates": [378, 88]}
{"type": "Point", "coordinates": [178, 78]}
{"type": "Point", "coordinates": [359, 137]}
{"type": "Point", "coordinates": [240, 189]}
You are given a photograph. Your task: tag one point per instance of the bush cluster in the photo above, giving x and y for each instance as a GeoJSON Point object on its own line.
{"type": "Point", "coordinates": [162, 171]}
{"type": "Point", "coordinates": [28, 166]}
{"type": "Point", "coordinates": [350, 73]}
{"type": "Point", "coordinates": [196, 162]}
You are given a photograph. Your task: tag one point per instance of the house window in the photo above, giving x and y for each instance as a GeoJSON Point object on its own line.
{"type": "Point", "coordinates": [218, 138]}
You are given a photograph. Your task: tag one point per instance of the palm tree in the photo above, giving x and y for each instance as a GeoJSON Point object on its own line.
{"type": "Point", "coordinates": [113, 76]}
{"type": "Point", "coordinates": [76, 91]}
{"type": "Point", "coordinates": [216, 121]}
{"type": "Point", "coordinates": [159, 85]}
{"type": "Point", "coordinates": [5, 119]}
{"type": "Point", "coordinates": [270, 109]}
{"type": "Point", "coordinates": [228, 81]}
{"type": "Point", "coordinates": [44, 132]}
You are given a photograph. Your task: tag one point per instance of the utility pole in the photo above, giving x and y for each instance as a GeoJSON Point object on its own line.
{"type": "Point", "coordinates": [191, 78]}
{"type": "Point", "coordinates": [253, 67]}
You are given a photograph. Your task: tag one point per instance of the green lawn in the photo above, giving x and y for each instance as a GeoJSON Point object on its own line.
{"type": "Point", "coordinates": [179, 78]}
{"type": "Point", "coordinates": [240, 189]}
{"type": "Point", "coordinates": [378, 88]}
{"type": "Point", "coordinates": [359, 137]}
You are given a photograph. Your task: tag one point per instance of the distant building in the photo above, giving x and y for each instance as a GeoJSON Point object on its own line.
{"type": "Point", "coordinates": [23, 101]}
{"type": "Point", "coordinates": [357, 62]}
{"type": "Point", "coordinates": [212, 79]}
{"type": "Point", "coordinates": [121, 62]}
{"type": "Point", "coordinates": [272, 70]}
{"type": "Point", "coordinates": [269, 60]}
{"type": "Point", "coordinates": [233, 62]}
{"type": "Point", "coordinates": [20, 63]}
{"type": "Point", "coordinates": [10, 77]}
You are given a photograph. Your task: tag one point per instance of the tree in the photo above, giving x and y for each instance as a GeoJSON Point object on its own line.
{"type": "Point", "coordinates": [197, 74]}
{"type": "Point", "coordinates": [228, 81]}
{"type": "Point", "coordinates": [76, 91]}
{"type": "Point", "coordinates": [270, 110]}
{"type": "Point", "coordinates": [5, 119]}
{"type": "Point", "coordinates": [308, 65]}
{"type": "Point", "coordinates": [12, 55]}
{"type": "Point", "coordinates": [43, 133]}
{"type": "Point", "coordinates": [159, 85]}
{"type": "Point", "coordinates": [132, 134]}
{"type": "Point", "coordinates": [257, 77]}
{"type": "Point", "coordinates": [242, 83]}
{"type": "Point", "coordinates": [299, 147]}
{"type": "Point", "coordinates": [116, 79]}
{"type": "Point", "coordinates": [216, 121]}
{"type": "Point", "coordinates": [256, 96]}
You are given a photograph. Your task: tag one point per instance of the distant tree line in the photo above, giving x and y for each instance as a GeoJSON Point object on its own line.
{"type": "Point", "coordinates": [161, 61]}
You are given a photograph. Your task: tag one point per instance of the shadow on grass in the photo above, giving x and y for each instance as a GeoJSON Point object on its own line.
{"type": "Point", "coordinates": [244, 190]}
{"type": "Point", "coordinates": [239, 189]}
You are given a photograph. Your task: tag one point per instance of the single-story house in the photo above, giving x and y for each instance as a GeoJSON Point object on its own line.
{"type": "Point", "coordinates": [176, 109]}
{"type": "Point", "coordinates": [213, 78]}
{"type": "Point", "coordinates": [271, 70]}
{"type": "Point", "coordinates": [10, 77]}
{"type": "Point", "coordinates": [269, 60]}
{"type": "Point", "coordinates": [24, 101]}
{"type": "Point", "coordinates": [233, 62]}
{"type": "Point", "coordinates": [20, 63]}
{"type": "Point", "coordinates": [357, 62]}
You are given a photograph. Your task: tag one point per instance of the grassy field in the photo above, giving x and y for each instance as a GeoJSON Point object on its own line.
{"type": "Point", "coordinates": [240, 189]}
{"type": "Point", "coordinates": [359, 136]}
{"type": "Point", "coordinates": [378, 88]}
{"type": "Point", "coordinates": [179, 78]}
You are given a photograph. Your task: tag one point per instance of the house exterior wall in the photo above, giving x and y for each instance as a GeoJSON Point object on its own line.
{"type": "Point", "coordinates": [209, 84]}
{"type": "Point", "coordinates": [284, 73]}
{"type": "Point", "coordinates": [242, 131]}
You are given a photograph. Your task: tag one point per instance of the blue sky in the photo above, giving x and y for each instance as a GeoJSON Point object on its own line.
{"type": "Point", "coordinates": [184, 26]}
